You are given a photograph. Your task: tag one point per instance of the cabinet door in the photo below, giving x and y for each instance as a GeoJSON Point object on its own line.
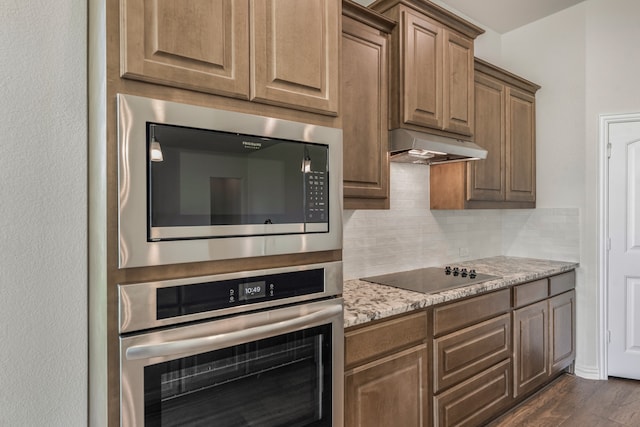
{"type": "Point", "coordinates": [389, 392]}
{"type": "Point", "coordinates": [457, 90]}
{"type": "Point", "coordinates": [364, 116]}
{"type": "Point", "coordinates": [295, 48]}
{"type": "Point", "coordinates": [422, 88]}
{"type": "Point", "coordinates": [201, 45]}
{"type": "Point", "coordinates": [562, 340]}
{"type": "Point", "coordinates": [486, 178]}
{"type": "Point", "coordinates": [530, 343]}
{"type": "Point", "coordinates": [521, 147]}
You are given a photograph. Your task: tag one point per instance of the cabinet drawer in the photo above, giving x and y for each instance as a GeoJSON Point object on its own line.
{"type": "Point", "coordinates": [475, 400]}
{"type": "Point", "coordinates": [451, 317]}
{"type": "Point", "coordinates": [465, 353]}
{"type": "Point", "coordinates": [562, 282]}
{"type": "Point", "coordinates": [529, 293]}
{"type": "Point", "coordinates": [384, 337]}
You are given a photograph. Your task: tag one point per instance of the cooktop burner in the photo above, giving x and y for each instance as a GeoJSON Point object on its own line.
{"type": "Point", "coordinates": [431, 279]}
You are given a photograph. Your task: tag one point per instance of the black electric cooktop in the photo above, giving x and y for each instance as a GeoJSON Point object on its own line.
{"type": "Point", "coordinates": [432, 279]}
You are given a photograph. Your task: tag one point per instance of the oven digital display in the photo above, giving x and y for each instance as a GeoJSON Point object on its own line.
{"type": "Point", "coordinates": [252, 290]}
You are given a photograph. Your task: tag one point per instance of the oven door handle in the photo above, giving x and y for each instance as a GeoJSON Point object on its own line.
{"type": "Point", "coordinates": [229, 339]}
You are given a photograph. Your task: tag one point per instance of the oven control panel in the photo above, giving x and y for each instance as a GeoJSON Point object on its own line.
{"type": "Point", "coordinates": [175, 301]}
{"type": "Point", "coordinates": [162, 303]}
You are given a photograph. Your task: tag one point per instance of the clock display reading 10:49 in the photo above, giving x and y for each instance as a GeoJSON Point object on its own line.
{"type": "Point", "coordinates": [252, 290]}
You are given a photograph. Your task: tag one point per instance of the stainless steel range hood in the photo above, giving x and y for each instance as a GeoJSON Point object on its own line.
{"type": "Point", "coordinates": [409, 146]}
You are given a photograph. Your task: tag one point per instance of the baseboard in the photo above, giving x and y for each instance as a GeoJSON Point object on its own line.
{"type": "Point", "coordinates": [587, 372]}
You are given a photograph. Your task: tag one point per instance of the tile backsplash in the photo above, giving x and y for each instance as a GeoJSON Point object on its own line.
{"type": "Point", "coordinates": [409, 235]}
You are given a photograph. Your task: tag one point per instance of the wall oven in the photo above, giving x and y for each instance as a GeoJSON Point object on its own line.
{"type": "Point", "coordinates": [257, 348]}
{"type": "Point", "coordinates": [198, 184]}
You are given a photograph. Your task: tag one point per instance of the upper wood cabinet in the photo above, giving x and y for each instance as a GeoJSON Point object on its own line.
{"type": "Point", "coordinates": [364, 107]}
{"type": "Point", "coordinates": [295, 49]}
{"type": "Point", "coordinates": [280, 52]}
{"type": "Point", "coordinates": [457, 88]}
{"type": "Point", "coordinates": [505, 127]}
{"type": "Point", "coordinates": [487, 177]}
{"type": "Point", "coordinates": [421, 72]}
{"type": "Point", "coordinates": [521, 147]}
{"type": "Point", "coordinates": [431, 67]}
{"type": "Point", "coordinates": [194, 44]}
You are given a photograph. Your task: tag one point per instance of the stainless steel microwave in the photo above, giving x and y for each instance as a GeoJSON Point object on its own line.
{"type": "Point", "coordinates": [198, 184]}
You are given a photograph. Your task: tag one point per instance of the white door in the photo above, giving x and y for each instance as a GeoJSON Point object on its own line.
{"type": "Point", "coordinates": [624, 255]}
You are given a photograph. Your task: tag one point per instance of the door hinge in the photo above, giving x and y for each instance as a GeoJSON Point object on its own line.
{"type": "Point", "coordinates": [608, 243]}
{"type": "Point", "coordinates": [609, 150]}
{"type": "Point", "coordinates": [609, 337]}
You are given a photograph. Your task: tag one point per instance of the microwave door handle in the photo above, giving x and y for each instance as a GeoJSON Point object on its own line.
{"type": "Point", "coordinates": [211, 342]}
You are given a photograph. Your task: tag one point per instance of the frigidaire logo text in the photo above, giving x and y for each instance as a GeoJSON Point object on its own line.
{"type": "Point", "coordinates": [252, 145]}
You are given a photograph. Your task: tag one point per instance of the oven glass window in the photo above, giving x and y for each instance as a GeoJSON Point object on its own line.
{"type": "Point", "coordinates": [280, 381]}
{"type": "Point", "coordinates": [210, 178]}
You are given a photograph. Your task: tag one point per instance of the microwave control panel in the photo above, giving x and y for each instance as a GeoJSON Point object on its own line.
{"type": "Point", "coordinates": [316, 197]}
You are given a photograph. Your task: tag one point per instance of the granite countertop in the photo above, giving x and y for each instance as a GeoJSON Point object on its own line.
{"type": "Point", "coordinates": [365, 301]}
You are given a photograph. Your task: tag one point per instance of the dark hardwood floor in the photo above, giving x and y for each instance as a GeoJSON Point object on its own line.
{"type": "Point", "coordinates": [572, 401]}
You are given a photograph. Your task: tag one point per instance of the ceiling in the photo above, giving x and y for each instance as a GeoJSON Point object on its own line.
{"type": "Point", "coordinates": [503, 16]}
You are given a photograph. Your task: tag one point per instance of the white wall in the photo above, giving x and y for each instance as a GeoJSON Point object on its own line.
{"type": "Point", "coordinates": [43, 231]}
{"type": "Point", "coordinates": [551, 53]}
{"type": "Point", "coordinates": [586, 59]}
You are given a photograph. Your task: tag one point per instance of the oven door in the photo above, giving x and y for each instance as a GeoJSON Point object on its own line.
{"type": "Point", "coordinates": [279, 367]}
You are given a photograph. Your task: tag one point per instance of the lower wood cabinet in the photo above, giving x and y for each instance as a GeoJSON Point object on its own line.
{"type": "Point", "coordinates": [386, 377]}
{"type": "Point", "coordinates": [456, 315]}
{"type": "Point", "coordinates": [543, 331]}
{"type": "Point", "coordinates": [465, 353]}
{"type": "Point", "coordinates": [562, 338]}
{"type": "Point", "coordinates": [472, 359]}
{"type": "Point", "coordinates": [389, 392]}
{"type": "Point", "coordinates": [460, 363]}
{"type": "Point", "coordinates": [476, 400]}
{"type": "Point", "coordinates": [531, 355]}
